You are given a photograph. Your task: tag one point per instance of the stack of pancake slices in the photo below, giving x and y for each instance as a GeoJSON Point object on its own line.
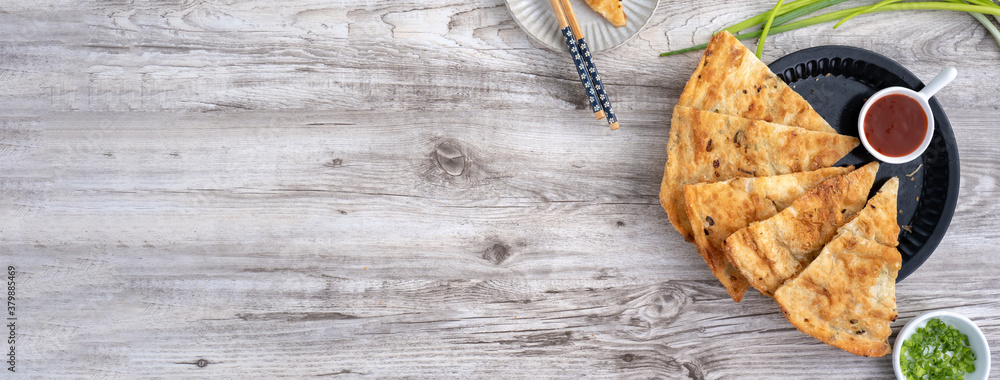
{"type": "Point", "coordinates": [750, 180]}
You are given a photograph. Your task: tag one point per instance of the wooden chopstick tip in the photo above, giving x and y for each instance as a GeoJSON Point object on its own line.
{"type": "Point", "coordinates": [571, 18]}
{"type": "Point", "coordinates": [560, 14]}
{"type": "Point", "coordinates": [614, 126]}
{"type": "Point", "coordinates": [599, 115]}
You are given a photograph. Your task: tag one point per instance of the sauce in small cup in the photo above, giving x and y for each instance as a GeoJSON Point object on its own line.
{"type": "Point", "coordinates": [896, 123]}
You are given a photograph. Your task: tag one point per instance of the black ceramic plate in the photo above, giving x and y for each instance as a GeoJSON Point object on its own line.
{"type": "Point", "coordinates": [837, 80]}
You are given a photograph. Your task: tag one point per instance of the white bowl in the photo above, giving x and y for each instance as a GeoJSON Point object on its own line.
{"type": "Point", "coordinates": [977, 341]}
{"type": "Point", "coordinates": [922, 98]}
{"type": "Point", "coordinates": [924, 104]}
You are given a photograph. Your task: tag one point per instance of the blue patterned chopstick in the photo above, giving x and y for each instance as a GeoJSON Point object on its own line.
{"type": "Point", "coordinates": [566, 11]}
{"type": "Point", "coordinates": [598, 84]}
{"type": "Point", "coordinates": [581, 69]}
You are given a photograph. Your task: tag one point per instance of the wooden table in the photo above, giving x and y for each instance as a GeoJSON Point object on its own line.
{"type": "Point", "coordinates": [249, 189]}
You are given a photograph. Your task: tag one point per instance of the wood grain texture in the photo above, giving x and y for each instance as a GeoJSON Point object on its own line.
{"type": "Point", "coordinates": [356, 189]}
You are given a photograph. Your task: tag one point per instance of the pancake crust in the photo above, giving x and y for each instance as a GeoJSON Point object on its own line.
{"type": "Point", "coordinates": [731, 80]}
{"type": "Point", "coordinates": [847, 296]}
{"type": "Point", "coordinates": [874, 224]}
{"type": "Point", "coordinates": [611, 10]}
{"type": "Point", "coordinates": [718, 209]}
{"type": "Point", "coordinates": [774, 250]}
{"type": "Point", "coordinates": [706, 147]}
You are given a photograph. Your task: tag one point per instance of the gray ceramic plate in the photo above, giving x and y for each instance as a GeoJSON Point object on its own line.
{"type": "Point", "coordinates": [537, 19]}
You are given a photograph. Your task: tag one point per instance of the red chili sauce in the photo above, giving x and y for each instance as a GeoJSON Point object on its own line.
{"type": "Point", "coordinates": [895, 125]}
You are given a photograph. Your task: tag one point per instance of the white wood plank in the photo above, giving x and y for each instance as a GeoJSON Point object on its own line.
{"type": "Point", "coordinates": [410, 189]}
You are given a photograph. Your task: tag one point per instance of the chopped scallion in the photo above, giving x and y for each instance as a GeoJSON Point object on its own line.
{"type": "Point", "coordinates": [936, 351]}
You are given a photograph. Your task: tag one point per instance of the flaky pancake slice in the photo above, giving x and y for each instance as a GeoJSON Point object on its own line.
{"type": "Point", "coordinates": [774, 250]}
{"type": "Point", "coordinates": [847, 296]}
{"type": "Point", "coordinates": [877, 221]}
{"type": "Point", "coordinates": [611, 10]}
{"type": "Point", "coordinates": [718, 209]}
{"type": "Point", "coordinates": [707, 147]}
{"type": "Point", "coordinates": [731, 80]}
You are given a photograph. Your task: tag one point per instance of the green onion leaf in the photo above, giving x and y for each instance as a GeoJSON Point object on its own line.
{"type": "Point", "coordinates": [793, 14]}
{"type": "Point", "coordinates": [866, 10]}
{"type": "Point", "coordinates": [983, 20]}
{"type": "Point", "coordinates": [979, 6]}
{"type": "Point", "coordinates": [767, 26]}
{"type": "Point", "coordinates": [736, 28]}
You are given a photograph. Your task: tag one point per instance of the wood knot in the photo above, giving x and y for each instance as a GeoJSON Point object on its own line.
{"type": "Point", "coordinates": [497, 253]}
{"type": "Point", "coordinates": [450, 158]}
{"type": "Point", "coordinates": [660, 306]}
{"type": "Point", "coordinates": [200, 363]}
{"type": "Point", "coordinates": [628, 358]}
{"type": "Point", "coordinates": [336, 162]}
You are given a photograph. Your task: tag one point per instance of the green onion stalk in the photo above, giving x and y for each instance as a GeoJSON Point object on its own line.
{"type": "Point", "coordinates": [767, 27]}
{"type": "Point", "coordinates": [982, 18]}
{"type": "Point", "coordinates": [779, 19]}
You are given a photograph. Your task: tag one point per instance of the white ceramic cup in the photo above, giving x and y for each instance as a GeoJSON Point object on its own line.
{"type": "Point", "coordinates": [977, 341]}
{"type": "Point", "coordinates": [923, 97]}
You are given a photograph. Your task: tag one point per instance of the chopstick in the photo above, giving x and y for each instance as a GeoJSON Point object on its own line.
{"type": "Point", "coordinates": [591, 68]}
{"type": "Point", "coordinates": [577, 59]}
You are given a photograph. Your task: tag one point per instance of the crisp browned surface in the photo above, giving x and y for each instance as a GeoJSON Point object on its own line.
{"type": "Point", "coordinates": [720, 208]}
{"type": "Point", "coordinates": [873, 222]}
{"type": "Point", "coordinates": [729, 79]}
{"type": "Point", "coordinates": [847, 296]}
{"type": "Point", "coordinates": [610, 9]}
{"type": "Point", "coordinates": [771, 251]}
{"type": "Point", "coordinates": [707, 146]}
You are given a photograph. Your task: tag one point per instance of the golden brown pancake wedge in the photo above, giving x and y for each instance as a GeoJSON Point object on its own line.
{"type": "Point", "coordinates": [720, 208]}
{"type": "Point", "coordinates": [847, 296]}
{"type": "Point", "coordinates": [707, 146]}
{"type": "Point", "coordinates": [878, 219]}
{"type": "Point", "coordinates": [611, 10]}
{"type": "Point", "coordinates": [731, 80]}
{"type": "Point", "coordinates": [774, 250]}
